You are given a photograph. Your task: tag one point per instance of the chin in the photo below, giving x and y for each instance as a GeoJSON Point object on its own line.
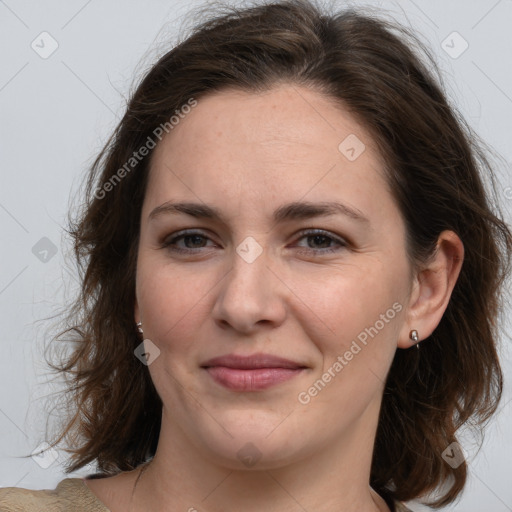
{"type": "Point", "coordinates": [254, 455]}
{"type": "Point", "coordinates": [256, 441]}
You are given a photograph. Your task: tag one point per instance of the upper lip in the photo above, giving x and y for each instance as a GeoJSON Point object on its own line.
{"type": "Point", "coordinates": [251, 362]}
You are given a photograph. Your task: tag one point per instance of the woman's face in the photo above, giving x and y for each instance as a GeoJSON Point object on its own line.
{"type": "Point", "coordinates": [252, 272]}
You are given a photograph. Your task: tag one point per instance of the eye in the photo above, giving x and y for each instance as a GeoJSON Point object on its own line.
{"type": "Point", "coordinates": [192, 240]}
{"type": "Point", "coordinates": [320, 241]}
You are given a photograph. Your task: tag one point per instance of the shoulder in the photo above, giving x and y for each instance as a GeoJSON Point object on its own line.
{"type": "Point", "coordinates": [70, 494]}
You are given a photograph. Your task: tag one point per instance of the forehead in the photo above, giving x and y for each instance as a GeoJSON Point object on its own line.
{"type": "Point", "coordinates": [258, 147]}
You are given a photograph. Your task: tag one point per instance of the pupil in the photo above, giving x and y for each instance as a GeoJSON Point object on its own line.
{"type": "Point", "coordinates": [316, 238]}
{"type": "Point", "coordinates": [195, 238]}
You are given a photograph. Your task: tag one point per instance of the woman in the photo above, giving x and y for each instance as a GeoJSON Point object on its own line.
{"type": "Point", "coordinates": [292, 277]}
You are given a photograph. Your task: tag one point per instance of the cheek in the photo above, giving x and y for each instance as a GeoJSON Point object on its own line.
{"type": "Point", "coordinates": [172, 303]}
{"type": "Point", "coordinates": [363, 312]}
{"type": "Point", "coordinates": [361, 303]}
{"type": "Point", "coordinates": [169, 301]}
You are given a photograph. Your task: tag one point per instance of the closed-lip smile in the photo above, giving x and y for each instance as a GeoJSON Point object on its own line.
{"type": "Point", "coordinates": [251, 373]}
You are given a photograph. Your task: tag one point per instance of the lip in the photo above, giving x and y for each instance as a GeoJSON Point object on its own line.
{"type": "Point", "coordinates": [251, 373]}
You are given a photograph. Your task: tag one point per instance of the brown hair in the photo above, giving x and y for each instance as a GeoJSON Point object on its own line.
{"type": "Point", "coordinates": [433, 165]}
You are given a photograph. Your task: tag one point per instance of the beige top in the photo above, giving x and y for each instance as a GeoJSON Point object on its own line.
{"type": "Point", "coordinates": [70, 494]}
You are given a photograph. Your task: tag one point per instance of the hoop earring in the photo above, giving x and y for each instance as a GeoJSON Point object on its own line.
{"type": "Point", "coordinates": [139, 327]}
{"type": "Point", "coordinates": [413, 335]}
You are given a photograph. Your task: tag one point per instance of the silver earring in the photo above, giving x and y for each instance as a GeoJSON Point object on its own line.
{"type": "Point", "coordinates": [139, 327]}
{"type": "Point", "coordinates": [413, 335]}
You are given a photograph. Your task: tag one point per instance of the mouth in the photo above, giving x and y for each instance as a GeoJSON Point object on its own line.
{"type": "Point", "coordinates": [251, 373]}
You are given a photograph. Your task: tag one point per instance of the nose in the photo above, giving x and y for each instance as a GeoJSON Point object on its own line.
{"type": "Point", "coordinates": [251, 296]}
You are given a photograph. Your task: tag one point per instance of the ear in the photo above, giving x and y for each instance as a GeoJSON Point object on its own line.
{"type": "Point", "coordinates": [432, 289]}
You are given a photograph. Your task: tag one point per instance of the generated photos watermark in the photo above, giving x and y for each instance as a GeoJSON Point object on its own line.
{"type": "Point", "coordinates": [137, 156]}
{"type": "Point", "coordinates": [147, 352]}
{"type": "Point", "coordinates": [304, 397]}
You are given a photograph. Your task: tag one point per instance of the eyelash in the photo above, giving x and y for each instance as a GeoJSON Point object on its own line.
{"type": "Point", "coordinates": [168, 243]}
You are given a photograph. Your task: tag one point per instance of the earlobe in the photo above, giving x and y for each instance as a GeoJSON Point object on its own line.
{"type": "Point", "coordinates": [136, 314]}
{"type": "Point", "coordinates": [138, 322]}
{"type": "Point", "coordinates": [432, 289]}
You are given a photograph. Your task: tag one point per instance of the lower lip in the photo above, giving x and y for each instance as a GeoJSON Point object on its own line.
{"type": "Point", "coordinates": [251, 380]}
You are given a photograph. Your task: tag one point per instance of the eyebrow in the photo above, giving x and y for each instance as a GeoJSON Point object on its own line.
{"type": "Point", "coordinates": [297, 210]}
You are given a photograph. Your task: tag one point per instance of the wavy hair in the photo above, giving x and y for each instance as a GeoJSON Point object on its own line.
{"type": "Point", "coordinates": [439, 175]}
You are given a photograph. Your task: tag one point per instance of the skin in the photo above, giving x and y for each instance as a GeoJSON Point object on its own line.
{"type": "Point", "coordinates": [247, 154]}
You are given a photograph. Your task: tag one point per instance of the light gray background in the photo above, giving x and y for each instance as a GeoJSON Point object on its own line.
{"type": "Point", "coordinates": [57, 112]}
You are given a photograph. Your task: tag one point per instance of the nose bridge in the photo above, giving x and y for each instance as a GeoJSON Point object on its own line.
{"type": "Point", "coordinates": [250, 292]}
{"type": "Point", "coordinates": [249, 276]}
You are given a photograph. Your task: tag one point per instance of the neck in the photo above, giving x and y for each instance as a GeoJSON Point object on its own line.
{"type": "Point", "coordinates": [335, 477]}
